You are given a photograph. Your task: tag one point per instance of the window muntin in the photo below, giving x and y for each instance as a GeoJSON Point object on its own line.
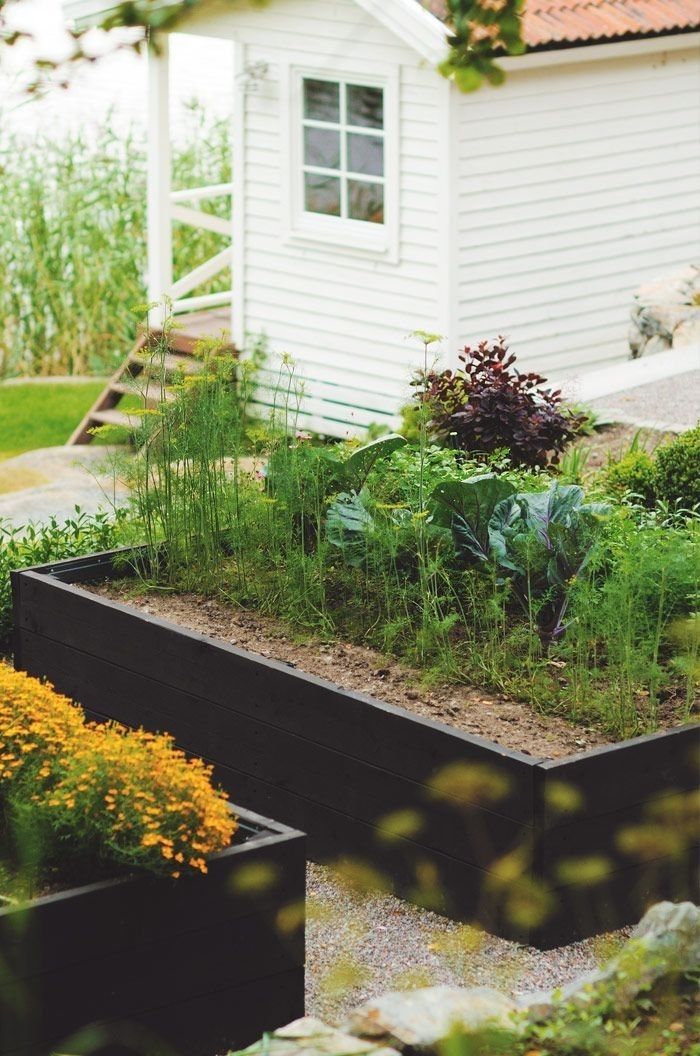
{"type": "Point", "coordinates": [344, 164]}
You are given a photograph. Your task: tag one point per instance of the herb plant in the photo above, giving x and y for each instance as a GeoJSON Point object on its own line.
{"type": "Point", "coordinates": [38, 544]}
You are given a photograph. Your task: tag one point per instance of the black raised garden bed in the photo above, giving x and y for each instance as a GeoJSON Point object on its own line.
{"type": "Point", "coordinates": [160, 967]}
{"type": "Point", "coordinates": [537, 850]}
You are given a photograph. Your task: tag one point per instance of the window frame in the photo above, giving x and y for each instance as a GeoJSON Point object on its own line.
{"type": "Point", "coordinates": [362, 236]}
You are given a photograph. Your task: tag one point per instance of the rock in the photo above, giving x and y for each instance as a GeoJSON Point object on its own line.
{"type": "Point", "coordinates": [306, 1027]}
{"type": "Point", "coordinates": [666, 313]}
{"type": "Point", "coordinates": [311, 1037]}
{"type": "Point", "coordinates": [664, 944]}
{"type": "Point", "coordinates": [424, 1019]}
{"type": "Point", "coordinates": [687, 332]}
{"type": "Point", "coordinates": [672, 928]}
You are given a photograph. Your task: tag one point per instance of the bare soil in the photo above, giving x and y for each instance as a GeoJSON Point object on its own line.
{"type": "Point", "coordinates": [354, 667]}
{"type": "Point", "coordinates": [613, 441]}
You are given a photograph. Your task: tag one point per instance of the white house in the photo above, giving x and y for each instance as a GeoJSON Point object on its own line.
{"type": "Point", "coordinates": [372, 198]}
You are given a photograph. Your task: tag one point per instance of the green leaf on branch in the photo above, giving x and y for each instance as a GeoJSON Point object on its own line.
{"type": "Point", "coordinates": [361, 462]}
{"type": "Point", "coordinates": [347, 523]}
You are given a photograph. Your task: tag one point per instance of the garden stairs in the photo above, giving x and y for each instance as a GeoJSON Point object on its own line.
{"type": "Point", "coordinates": [147, 374]}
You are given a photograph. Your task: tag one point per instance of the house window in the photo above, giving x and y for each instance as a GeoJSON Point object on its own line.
{"type": "Point", "coordinates": [343, 150]}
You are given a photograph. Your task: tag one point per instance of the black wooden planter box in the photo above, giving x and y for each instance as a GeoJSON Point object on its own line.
{"type": "Point", "coordinates": [541, 851]}
{"type": "Point", "coordinates": [161, 967]}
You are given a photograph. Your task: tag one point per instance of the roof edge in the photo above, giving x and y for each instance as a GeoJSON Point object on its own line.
{"type": "Point", "coordinates": [413, 24]}
{"type": "Point", "coordinates": [422, 31]}
{"type": "Point", "coordinates": [558, 54]}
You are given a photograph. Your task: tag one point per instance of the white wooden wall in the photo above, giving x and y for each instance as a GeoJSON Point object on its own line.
{"type": "Point", "coordinates": [577, 183]}
{"type": "Point", "coordinates": [344, 318]}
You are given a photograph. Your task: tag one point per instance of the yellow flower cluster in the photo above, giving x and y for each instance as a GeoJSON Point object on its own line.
{"type": "Point", "coordinates": [127, 796]}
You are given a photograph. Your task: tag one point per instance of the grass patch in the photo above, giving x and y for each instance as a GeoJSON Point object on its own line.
{"type": "Point", "coordinates": [42, 415]}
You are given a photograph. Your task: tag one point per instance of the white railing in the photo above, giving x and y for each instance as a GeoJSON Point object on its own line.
{"type": "Point", "coordinates": [185, 214]}
{"type": "Point", "coordinates": [166, 206]}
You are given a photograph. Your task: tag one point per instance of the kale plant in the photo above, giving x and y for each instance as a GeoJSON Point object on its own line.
{"type": "Point", "coordinates": [539, 542]}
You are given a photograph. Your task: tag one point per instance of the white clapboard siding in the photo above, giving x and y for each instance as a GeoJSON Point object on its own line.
{"type": "Point", "coordinates": [343, 317]}
{"type": "Point", "coordinates": [576, 184]}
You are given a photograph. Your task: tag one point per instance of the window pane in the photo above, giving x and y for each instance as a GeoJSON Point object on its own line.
{"type": "Point", "coordinates": [365, 106]}
{"type": "Point", "coordinates": [322, 100]}
{"type": "Point", "coordinates": [366, 201]}
{"type": "Point", "coordinates": [322, 148]}
{"type": "Point", "coordinates": [365, 154]}
{"type": "Point", "coordinates": [322, 194]}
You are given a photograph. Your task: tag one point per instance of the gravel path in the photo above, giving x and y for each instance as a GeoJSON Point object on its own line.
{"type": "Point", "coordinates": [673, 403]}
{"type": "Point", "coordinates": [359, 946]}
{"type": "Point", "coordinates": [52, 480]}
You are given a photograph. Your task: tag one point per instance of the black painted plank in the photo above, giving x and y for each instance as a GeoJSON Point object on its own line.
{"type": "Point", "coordinates": [619, 775]}
{"type": "Point", "coordinates": [464, 893]}
{"type": "Point", "coordinates": [352, 723]}
{"type": "Point", "coordinates": [343, 783]}
{"type": "Point", "coordinates": [199, 1026]}
{"type": "Point", "coordinates": [201, 897]}
{"type": "Point", "coordinates": [657, 828]}
{"type": "Point", "coordinates": [78, 925]}
{"type": "Point", "coordinates": [621, 900]}
{"type": "Point", "coordinates": [134, 980]}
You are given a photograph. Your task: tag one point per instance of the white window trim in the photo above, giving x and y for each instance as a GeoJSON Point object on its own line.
{"type": "Point", "coordinates": [339, 233]}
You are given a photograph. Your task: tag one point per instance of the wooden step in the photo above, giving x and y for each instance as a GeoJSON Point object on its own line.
{"type": "Point", "coordinates": [132, 422]}
{"type": "Point", "coordinates": [170, 363]}
{"type": "Point", "coordinates": [184, 341]}
{"type": "Point", "coordinates": [151, 393]}
{"type": "Point", "coordinates": [146, 368]}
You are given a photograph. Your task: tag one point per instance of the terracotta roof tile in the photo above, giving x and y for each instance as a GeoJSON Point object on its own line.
{"type": "Point", "coordinates": [552, 22]}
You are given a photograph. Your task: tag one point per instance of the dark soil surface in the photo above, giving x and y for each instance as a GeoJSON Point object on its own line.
{"type": "Point", "coordinates": [613, 441]}
{"type": "Point", "coordinates": [493, 716]}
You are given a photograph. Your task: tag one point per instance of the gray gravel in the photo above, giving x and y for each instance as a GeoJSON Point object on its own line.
{"type": "Point", "coordinates": [672, 404]}
{"type": "Point", "coordinates": [359, 946]}
{"type": "Point", "coordinates": [52, 480]}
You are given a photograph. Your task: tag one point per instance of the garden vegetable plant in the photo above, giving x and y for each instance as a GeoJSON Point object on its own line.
{"type": "Point", "coordinates": [476, 565]}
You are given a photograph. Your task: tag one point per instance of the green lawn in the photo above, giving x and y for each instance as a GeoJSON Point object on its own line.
{"type": "Point", "coordinates": [38, 415]}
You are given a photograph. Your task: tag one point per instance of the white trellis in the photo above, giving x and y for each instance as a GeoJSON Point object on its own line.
{"type": "Point", "coordinates": [166, 206]}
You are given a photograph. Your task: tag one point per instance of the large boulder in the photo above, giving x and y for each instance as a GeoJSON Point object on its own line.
{"type": "Point", "coordinates": [424, 1019]}
{"type": "Point", "coordinates": [666, 313]}
{"type": "Point", "coordinates": [310, 1037]}
{"type": "Point", "coordinates": [664, 945]}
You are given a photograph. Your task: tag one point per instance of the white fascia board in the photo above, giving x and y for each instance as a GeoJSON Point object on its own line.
{"type": "Point", "coordinates": [82, 13]}
{"type": "Point", "coordinates": [413, 24]}
{"type": "Point", "coordinates": [620, 49]}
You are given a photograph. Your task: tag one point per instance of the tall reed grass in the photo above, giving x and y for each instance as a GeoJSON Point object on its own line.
{"type": "Point", "coordinates": [73, 241]}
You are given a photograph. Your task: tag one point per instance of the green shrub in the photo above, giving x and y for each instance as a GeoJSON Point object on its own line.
{"type": "Point", "coordinates": [488, 405]}
{"type": "Point", "coordinates": [677, 470]}
{"type": "Point", "coordinates": [633, 474]}
{"type": "Point", "coordinates": [37, 544]}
